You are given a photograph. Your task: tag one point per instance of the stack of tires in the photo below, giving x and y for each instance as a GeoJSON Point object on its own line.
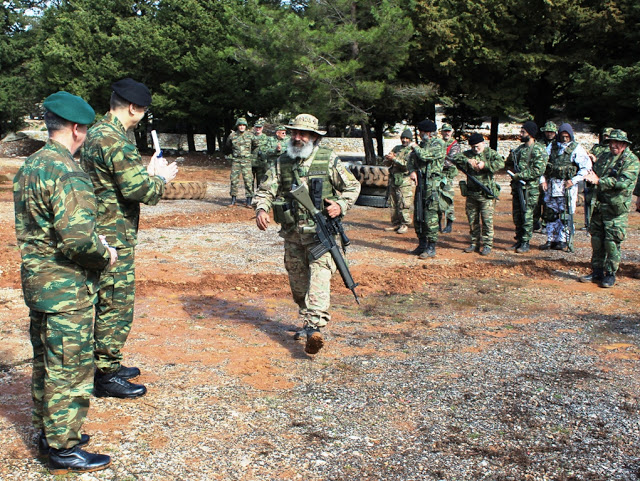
{"type": "Point", "coordinates": [373, 178]}
{"type": "Point", "coordinates": [185, 190]}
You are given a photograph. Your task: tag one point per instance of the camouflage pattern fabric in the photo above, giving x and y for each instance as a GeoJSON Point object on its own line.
{"type": "Point", "coordinates": [60, 388]}
{"type": "Point", "coordinates": [598, 149]}
{"type": "Point", "coordinates": [241, 145]}
{"type": "Point", "coordinates": [121, 183]}
{"type": "Point", "coordinates": [449, 173]}
{"type": "Point", "coordinates": [55, 219]}
{"type": "Point", "coordinates": [400, 187]}
{"type": "Point", "coordinates": [618, 176]}
{"type": "Point", "coordinates": [271, 149]}
{"type": "Point", "coordinates": [479, 208]}
{"type": "Point", "coordinates": [529, 163]}
{"type": "Point", "coordinates": [310, 280]}
{"type": "Point", "coordinates": [260, 163]}
{"type": "Point", "coordinates": [429, 158]}
{"type": "Point", "coordinates": [241, 168]}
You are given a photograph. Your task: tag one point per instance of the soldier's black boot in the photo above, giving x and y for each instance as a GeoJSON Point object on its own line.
{"type": "Point", "coordinates": [128, 372]}
{"type": "Point", "coordinates": [596, 276]}
{"type": "Point", "coordinates": [422, 246]}
{"type": "Point", "coordinates": [609, 280]}
{"type": "Point", "coordinates": [447, 228]}
{"type": "Point", "coordinates": [430, 251]}
{"type": "Point", "coordinates": [523, 247]}
{"type": "Point", "coordinates": [62, 461]}
{"type": "Point", "coordinates": [233, 201]}
{"type": "Point", "coordinates": [248, 203]}
{"type": "Point", "coordinates": [111, 385]}
{"type": "Point", "coordinates": [43, 445]}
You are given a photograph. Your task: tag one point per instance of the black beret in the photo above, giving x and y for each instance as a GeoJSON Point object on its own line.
{"type": "Point", "coordinates": [427, 125]}
{"type": "Point", "coordinates": [531, 128]}
{"type": "Point", "coordinates": [132, 91]}
{"type": "Point", "coordinates": [476, 139]}
{"type": "Point", "coordinates": [69, 107]}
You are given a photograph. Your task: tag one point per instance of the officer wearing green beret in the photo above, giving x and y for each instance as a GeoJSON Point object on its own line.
{"type": "Point", "coordinates": [62, 256]}
{"type": "Point", "coordinates": [121, 183]}
{"type": "Point", "coordinates": [613, 177]}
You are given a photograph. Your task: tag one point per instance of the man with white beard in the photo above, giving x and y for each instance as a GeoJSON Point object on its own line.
{"type": "Point", "coordinates": [333, 190]}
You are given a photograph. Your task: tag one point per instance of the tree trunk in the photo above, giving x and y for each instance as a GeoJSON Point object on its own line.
{"type": "Point", "coordinates": [379, 131]}
{"type": "Point", "coordinates": [367, 140]}
{"type": "Point", "coordinates": [211, 139]}
{"type": "Point", "coordinates": [191, 141]}
{"type": "Point", "coordinates": [493, 137]}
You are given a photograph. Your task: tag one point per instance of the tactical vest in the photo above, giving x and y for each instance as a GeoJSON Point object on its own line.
{"type": "Point", "coordinates": [560, 165]}
{"type": "Point", "coordinates": [290, 171]}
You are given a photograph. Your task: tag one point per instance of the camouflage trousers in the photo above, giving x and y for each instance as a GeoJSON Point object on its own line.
{"type": "Point", "coordinates": [241, 167]}
{"type": "Point", "coordinates": [429, 226]}
{"type": "Point", "coordinates": [114, 311]}
{"type": "Point", "coordinates": [62, 379]}
{"type": "Point", "coordinates": [400, 199]}
{"type": "Point", "coordinates": [310, 282]}
{"type": "Point", "coordinates": [607, 230]}
{"type": "Point", "coordinates": [258, 174]}
{"type": "Point", "coordinates": [447, 192]}
{"type": "Point", "coordinates": [524, 221]}
{"type": "Point", "coordinates": [480, 216]}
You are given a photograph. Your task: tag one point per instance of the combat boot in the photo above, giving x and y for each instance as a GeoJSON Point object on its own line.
{"type": "Point", "coordinates": [111, 385]}
{"type": "Point", "coordinates": [422, 246]}
{"type": "Point", "coordinates": [62, 461]}
{"type": "Point", "coordinates": [430, 251]}
{"type": "Point", "coordinates": [248, 203]}
{"type": "Point", "coordinates": [233, 201]}
{"type": "Point", "coordinates": [127, 372]}
{"type": "Point", "coordinates": [560, 246]}
{"type": "Point", "coordinates": [486, 250]}
{"type": "Point", "coordinates": [524, 247]}
{"type": "Point", "coordinates": [514, 246]}
{"type": "Point", "coordinates": [609, 280]}
{"type": "Point", "coordinates": [43, 445]}
{"type": "Point", "coordinates": [547, 245]}
{"type": "Point", "coordinates": [596, 276]}
{"type": "Point", "coordinates": [314, 340]}
{"type": "Point", "coordinates": [471, 248]}
{"type": "Point", "coordinates": [447, 228]}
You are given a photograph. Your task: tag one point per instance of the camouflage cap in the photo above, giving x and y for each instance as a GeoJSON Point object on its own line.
{"type": "Point", "coordinates": [280, 127]}
{"type": "Point", "coordinates": [132, 91]}
{"type": "Point", "coordinates": [549, 126]}
{"type": "Point", "coordinates": [69, 107]}
{"type": "Point", "coordinates": [607, 131]}
{"type": "Point", "coordinates": [619, 135]}
{"type": "Point", "coordinates": [241, 121]}
{"type": "Point", "coordinates": [306, 122]}
{"type": "Point", "coordinates": [259, 124]}
{"type": "Point", "coordinates": [446, 127]}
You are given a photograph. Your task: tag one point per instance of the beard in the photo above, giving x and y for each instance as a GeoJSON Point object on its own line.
{"type": "Point", "coordinates": [525, 138]}
{"type": "Point", "coordinates": [303, 151]}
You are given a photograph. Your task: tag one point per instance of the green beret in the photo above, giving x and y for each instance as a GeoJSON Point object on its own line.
{"type": "Point", "coordinates": [135, 92]}
{"type": "Point", "coordinates": [69, 107]}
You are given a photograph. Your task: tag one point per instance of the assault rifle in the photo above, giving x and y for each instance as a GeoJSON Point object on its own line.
{"type": "Point", "coordinates": [588, 194]}
{"type": "Point", "coordinates": [326, 230]}
{"type": "Point", "coordinates": [519, 185]}
{"type": "Point", "coordinates": [473, 179]}
{"type": "Point", "coordinates": [419, 200]}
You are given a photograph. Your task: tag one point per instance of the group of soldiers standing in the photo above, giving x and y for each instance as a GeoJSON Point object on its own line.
{"type": "Point", "coordinates": [544, 184]}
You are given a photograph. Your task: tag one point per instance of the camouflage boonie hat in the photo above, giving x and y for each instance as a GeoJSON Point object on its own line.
{"type": "Point", "coordinates": [549, 127]}
{"type": "Point", "coordinates": [306, 122]}
{"type": "Point", "coordinates": [446, 127]}
{"type": "Point", "coordinates": [242, 121]}
{"type": "Point", "coordinates": [607, 131]}
{"type": "Point", "coordinates": [619, 135]}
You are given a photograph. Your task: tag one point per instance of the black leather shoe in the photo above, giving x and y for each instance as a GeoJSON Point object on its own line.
{"type": "Point", "coordinates": [43, 445]}
{"type": "Point", "coordinates": [522, 248]}
{"type": "Point", "coordinates": [127, 372]}
{"type": "Point", "coordinates": [62, 461]}
{"type": "Point", "coordinates": [111, 385]}
{"type": "Point", "coordinates": [547, 245]}
{"type": "Point", "coordinates": [608, 281]}
{"type": "Point", "coordinates": [595, 276]}
{"type": "Point", "coordinates": [447, 228]}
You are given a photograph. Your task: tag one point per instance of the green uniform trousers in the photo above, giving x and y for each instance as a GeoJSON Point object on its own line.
{"type": "Point", "coordinates": [310, 282]}
{"type": "Point", "coordinates": [524, 222]}
{"type": "Point", "coordinates": [241, 167]}
{"type": "Point", "coordinates": [401, 198]}
{"type": "Point", "coordinates": [114, 311]}
{"type": "Point", "coordinates": [607, 233]}
{"type": "Point", "coordinates": [62, 379]}
{"type": "Point", "coordinates": [480, 216]}
{"type": "Point", "coordinates": [429, 226]}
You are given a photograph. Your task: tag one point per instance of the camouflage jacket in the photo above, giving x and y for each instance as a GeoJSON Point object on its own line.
{"type": "Point", "coordinates": [598, 149]}
{"type": "Point", "coordinates": [241, 145]}
{"type": "Point", "coordinates": [271, 151]}
{"type": "Point", "coordinates": [120, 181]}
{"type": "Point", "coordinates": [429, 157]}
{"type": "Point", "coordinates": [528, 163]}
{"type": "Point", "coordinates": [618, 176]}
{"type": "Point", "coordinates": [493, 162]}
{"type": "Point", "coordinates": [399, 165]}
{"type": "Point", "coordinates": [55, 220]}
{"type": "Point", "coordinates": [260, 144]}
{"type": "Point", "coordinates": [452, 149]}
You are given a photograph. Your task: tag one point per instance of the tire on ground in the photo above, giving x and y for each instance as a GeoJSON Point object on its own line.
{"type": "Point", "coordinates": [184, 190]}
{"type": "Point", "coordinates": [371, 200]}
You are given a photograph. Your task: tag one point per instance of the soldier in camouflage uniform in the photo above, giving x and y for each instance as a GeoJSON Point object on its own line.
{"type": "Point", "coordinates": [549, 130]}
{"type": "Point", "coordinates": [449, 173]}
{"type": "Point", "coordinates": [400, 185]}
{"type": "Point", "coordinates": [121, 183]}
{"type": "Point", "coordinates": [241, 144]}
{"type": "Point", "coordinates": [568, 164]}
{"type": "Point", "coordinates": [528, 162]}
{"type": "Point", "coordinates": [428, 159]}
{"type": "Point", "coordinates": [482, 162]}
{"type": "Point", "coordinates": [62, 256]}
{"type": "Point", "coordinates": [336, 189]}
{"type": "Point", "coordinates": [260, 163]}
{"type": "Point", "coordinates": [276, 146]}
{"type": "Point", "coordinates": [613, 177]}
{"type": "Point", "coordinates": [603, 146]}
